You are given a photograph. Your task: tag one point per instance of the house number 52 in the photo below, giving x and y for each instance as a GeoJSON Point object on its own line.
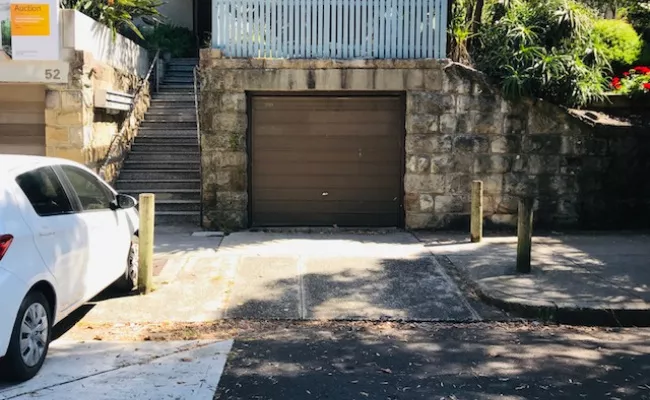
{"type": "Point", "coordinates": [53, 74]}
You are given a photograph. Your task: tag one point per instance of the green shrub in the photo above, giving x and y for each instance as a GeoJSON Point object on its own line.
{"type": "Point", "coordinates": [176, 40]}
{"type": "Point", "coordinates": [543, 48]}
{"type": "Point", "coordinates": [118, 15]}
{"type": "Point", "coordinates": [618, 42]}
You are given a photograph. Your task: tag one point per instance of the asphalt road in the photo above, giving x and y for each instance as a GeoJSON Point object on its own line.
{"type": "Point", "coordinates": [357, 360]}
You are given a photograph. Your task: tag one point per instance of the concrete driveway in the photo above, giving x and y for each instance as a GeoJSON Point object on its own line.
{"type": "Point", "coordinates": [338, 276]}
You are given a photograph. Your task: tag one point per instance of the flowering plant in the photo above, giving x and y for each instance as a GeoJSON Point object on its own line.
{"type": "Point", "coordinates": [634, 82]}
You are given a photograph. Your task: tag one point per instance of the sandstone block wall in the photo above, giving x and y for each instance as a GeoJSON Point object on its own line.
{"type": "Point", "coordinates": [78, 131]}
{"type": "Point", "coordinates": [458, 128]}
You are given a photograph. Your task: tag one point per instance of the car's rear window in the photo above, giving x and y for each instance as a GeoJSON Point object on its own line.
{"type": "Point", "coordinates": [45, 192]}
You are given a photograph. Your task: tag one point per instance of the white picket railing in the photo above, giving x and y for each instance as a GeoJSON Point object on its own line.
{"type": "Point", "coordinates": [336, 29]}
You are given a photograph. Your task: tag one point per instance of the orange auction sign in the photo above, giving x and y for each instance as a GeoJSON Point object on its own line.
{"type": "Point", "coordinates": [30, 19]}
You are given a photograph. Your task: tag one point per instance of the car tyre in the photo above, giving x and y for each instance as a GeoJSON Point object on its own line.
{"type": "Point", "coordinates": [129, 281]}
{"type": "Point", "coordinates": [30, 339]}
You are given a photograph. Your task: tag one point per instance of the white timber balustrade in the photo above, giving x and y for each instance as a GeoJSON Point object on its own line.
{"type": "Point", "coordinates": [330, 29]}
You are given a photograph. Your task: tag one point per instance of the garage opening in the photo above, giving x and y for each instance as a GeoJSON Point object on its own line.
{"type": "Point", "coordinates": [326, 160]}
{"type": "Point", "coordinates": [22, 119]}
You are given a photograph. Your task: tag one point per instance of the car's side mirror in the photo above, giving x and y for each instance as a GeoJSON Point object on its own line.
{"type": "Point", "coordinates": [123, 201]}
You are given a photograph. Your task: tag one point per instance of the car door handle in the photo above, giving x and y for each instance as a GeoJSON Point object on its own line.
{"type": "Point", "coordinates": [46, 233]}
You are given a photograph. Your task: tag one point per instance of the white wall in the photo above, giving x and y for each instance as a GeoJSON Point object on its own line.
{"type": "Point", "coordinates": [178, 12]}
{"type": "Point", "coordinates": [82, 33]}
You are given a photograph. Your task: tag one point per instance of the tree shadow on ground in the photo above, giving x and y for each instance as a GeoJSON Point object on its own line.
{"type": "Point", "coordinates": [438, 361]}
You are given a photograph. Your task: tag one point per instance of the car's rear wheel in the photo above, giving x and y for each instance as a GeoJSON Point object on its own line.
{"type": "Point", "coordinates": [30, 339]}
{"type": "Point", "coordinates": [128, 281]}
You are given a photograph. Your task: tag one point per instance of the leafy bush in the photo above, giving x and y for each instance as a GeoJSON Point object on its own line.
{"type": "Point", "coordinates": [635, 82]}
{"type": "Point", "coordinates": [618, 42]}
{"type": "Point", "coordinates": [176, 40]}
{"type": "Point", "coordinates": [543, 48]}
{"type": "Point", "coordinates": [117, 14]}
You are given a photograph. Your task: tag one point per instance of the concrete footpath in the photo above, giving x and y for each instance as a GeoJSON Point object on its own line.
{"type": "Point", "coordinates": [601, 279]}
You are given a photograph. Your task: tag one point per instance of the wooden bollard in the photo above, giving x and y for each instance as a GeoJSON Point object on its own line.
{"type": "Point", "coordinates": [524, 234]}
{"type": "Point", "coordinates": [145, 243]}
{"type": "Point", "coordinates": [476, 224]}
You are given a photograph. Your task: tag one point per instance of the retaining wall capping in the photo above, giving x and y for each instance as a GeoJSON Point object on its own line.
{"type": "Point", "coordinates": [458, 129]}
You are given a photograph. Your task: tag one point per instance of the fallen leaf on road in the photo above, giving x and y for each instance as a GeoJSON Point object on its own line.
{"type": "Point", "coordinates": [364, 394]}
{"type": "Point", "coordinates": [186, 359]}
{"type": "Point", "coordinates": [386, 370]}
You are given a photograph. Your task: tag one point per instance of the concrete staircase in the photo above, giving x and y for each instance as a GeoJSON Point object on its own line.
{"type": "Point", "coordinates": [164, 158]}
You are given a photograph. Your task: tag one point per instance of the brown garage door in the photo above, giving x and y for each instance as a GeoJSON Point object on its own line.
{"type": "Point", "coordinates": [323, 161]}
{"type": "Point", "coordinates": [22, 119]}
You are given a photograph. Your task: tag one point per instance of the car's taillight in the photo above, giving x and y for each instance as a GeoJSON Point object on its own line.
{"type": "Point", "coordinates": [5, 242]}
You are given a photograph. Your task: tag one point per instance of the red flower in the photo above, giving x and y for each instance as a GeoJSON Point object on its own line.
{"type": "Point", "coordinates": [646, 86]}
{"type": "Point", "coordinates": [626, 73]}
{"type": "Point", "coordinates": [642, 70]}
{"type": "Point", "coordinates": [616, 82]}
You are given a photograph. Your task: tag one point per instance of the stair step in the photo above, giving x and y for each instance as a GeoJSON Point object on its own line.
{"type": "Point", "coordinates": [162, 165]}
{"type": "Point", "coordinates": [177, 218]}
{"type": "Point", "coordinates": [183, 61]}
{"type": "Point", "coordinates": [127, 174]}
{"type": "Point", "coordinates": [166, 141]}
{"type": "Point", "coordinates": [179, 69]}
{"type": "Point", "coordinates": [178, 205]}
{"type": "Point", "coordinates": [156, 147]}
{"type": "Point", "coordinates": [172, 97]}
{"type": "Point", "coordinates": [171, 111]}
{"type": "Point", "coordinates": [167, 194]}
{"type": "Point", "coordinates": [189, 80]}
{"type": "Point", "coordinates": [168, 125]}
{"type": "Point", "coordinates": [144, 154]}
{"type": "Point", "coordinates": [163, 105]}
{"type": "Point", "coordinates": [186, 75]}
{"type": "Point", "coordinates": [171, 117]}
{"type": "Point", "coordinates": [131, 184]}
{"type": "Point", "coordinates": [158, 131]}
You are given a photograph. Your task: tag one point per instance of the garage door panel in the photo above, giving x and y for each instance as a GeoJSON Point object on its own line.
{"type": "Point", "coordinates": [310, 194]}
{"type": "Point", "coordinates": [338, 168]}
{"type": "Point", "coordinates": [326, 161]}
{"type": "Point", "coordinates": [324, 181]}
{"type": "Point", "coordinates": [333, 118]}
{"type": "Point", "coordinates": [328, 103]}
{"type": "Point", "coordinates": [22, 119]}
{"type": "Point", "coordinates": [330, 207]}
{"type": "Point", "coordinates": [328, 130]}
{"type": "Point", "coordinates": [371, 156]}
{"type": "Point", "coordinates": [384, 144]}
{"type": "Point", "coordinates": [325, 219]}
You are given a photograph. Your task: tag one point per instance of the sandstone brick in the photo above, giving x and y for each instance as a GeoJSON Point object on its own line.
{"type": "Point", "coordinates": [449, 204]}
{"type": "Point", "coordinates": [414, 79]}
{"type": "Point", "coordinates": [433, 79]}
{"type": "Point", "coordinates": [430, 103]}
{"type": "Point", "coordinates": [229, 122]}
{"type": "Point", "coordinates": [492, 183]}
{"type": "Point", "coordinates": [55, 136]}
{"type": "Point", "coordinates": [357, 79]}
{"type": "Point", "coordinates": [542, 144]}
{"type": "Point", "coordinates": [458, 184]}
{"type": "Point", "coordinates": [424, 183]}
{"type": "Point", "coordinates": [520, 184]}
{"type": "Point", "coordinates": [418, 123]}
{"type": "Point", "coordinates": [426, 203]}
{"type": "Point", "coordinates": [389, 79]}
{"type": "Point", "coordinates": [488, 164]}
{"type": "Point", "coordinates": [573, 145]}
{"type": "Point", "coordinates": [486, 123]}
{"type": "Point", "coordinates": [418, 164]}
{"type": "Point", "coordinates": [428, 144]}
{"type": "Point", "coordinates": [504, 219]}
{"type": "Point", "coordinates": [72, 100]}
{"type": "Point", "coordinates": [67, 153]}
{"type": "Point", "coordinates": [536, 164]}
{"type": "Point", "coordinates": [233, 102]}
{"type": "Point", "coordinates": [417, 220]}
{"type": "Point", "coordinates": [441, 163]}
{"type": "Point", "coordinates": [471, 144]}
{"type": "Point", "coordinates": [52, 99]}
{"type": "Point", "coordinates": [327, 79]}
{"type": "Point", "coordinates": [68, 118]}
{"type": "Point", "coordinates": [448, 123]}
{"type": "Point", "coordinates": [412, 202]}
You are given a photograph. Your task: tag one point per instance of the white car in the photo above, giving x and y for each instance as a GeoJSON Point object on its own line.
{"type": "Point", "coordinates": [65, 235]}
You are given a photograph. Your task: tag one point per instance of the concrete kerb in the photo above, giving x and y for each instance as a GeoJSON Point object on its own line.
{"type": "Point", "coordinates": [549, 311]}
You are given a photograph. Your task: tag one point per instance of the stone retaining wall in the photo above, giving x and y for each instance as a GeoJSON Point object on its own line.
{"type": "Point", "coordinates": [458, 128]}
{"type": "Point", "coordinates": [75, 129]}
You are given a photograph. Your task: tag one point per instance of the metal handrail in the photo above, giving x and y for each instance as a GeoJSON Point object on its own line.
{"type": "Point", "coordinates": [117, 140]}
{"type": "Point", "coordinates": [195, 72]}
